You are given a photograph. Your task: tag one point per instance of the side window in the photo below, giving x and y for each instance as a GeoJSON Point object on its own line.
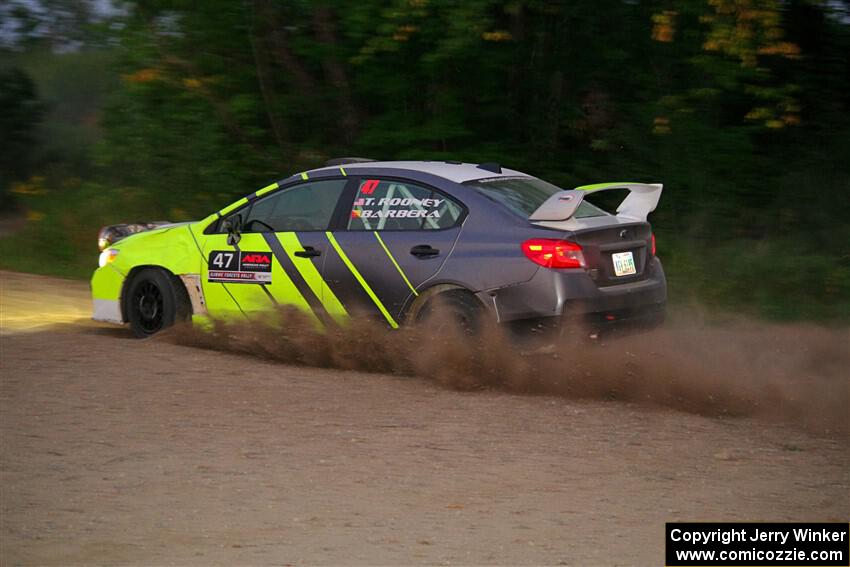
{"type": "Point", "coordinates": [394, 205]}
{"type": "Point", "coordinates": [308, 206]}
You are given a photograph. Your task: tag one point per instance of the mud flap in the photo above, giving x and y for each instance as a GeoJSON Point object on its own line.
{"type": "Point", "coordinates": [192, 283]}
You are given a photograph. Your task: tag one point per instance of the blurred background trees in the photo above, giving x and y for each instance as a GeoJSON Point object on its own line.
{"type": "Point", "coordinates": [18, 120]}
{"type": "Point", "coordinates": [172, 108]}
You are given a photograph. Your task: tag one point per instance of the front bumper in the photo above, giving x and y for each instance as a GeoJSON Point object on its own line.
{"type": "Point", "coordinates": [107, 310]}
{"type": "Point", "coordinates": [106, 284]}
{"type": "Point", "coordinates": [572, 294]}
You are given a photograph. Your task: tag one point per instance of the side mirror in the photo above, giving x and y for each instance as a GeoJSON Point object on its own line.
{"type": "Point", "coordinates": [233, 226]}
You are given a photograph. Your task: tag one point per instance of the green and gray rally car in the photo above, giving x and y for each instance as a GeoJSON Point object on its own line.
{"type": "Point", "coordinates": [387, 240]}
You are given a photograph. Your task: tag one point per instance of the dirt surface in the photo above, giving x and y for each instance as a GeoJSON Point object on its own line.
{"type": "Point", "coordinates": [117, 451]}
{"type": "Point", "coordinates": [31, 303]}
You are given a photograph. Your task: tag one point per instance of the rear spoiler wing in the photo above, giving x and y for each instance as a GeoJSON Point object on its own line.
{"type": "Point", "coordinates": [641, 200]}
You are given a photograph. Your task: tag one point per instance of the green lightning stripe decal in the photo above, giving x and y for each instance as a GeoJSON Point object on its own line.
{"type": "Point", "coordinates": [304, 176]}
{"type": "Point", "coordinates": [233, 207]}
{"type": "Point", "coordinates": [312, 277]}
{"type": "Point", "coordinates": [598, 186]}
{"type": "Point", "coordinates": [354, 272]}
{"type": "Point", "coordinates": [397, 267]}
{"type": "Point", "coordinates": [266, 189]}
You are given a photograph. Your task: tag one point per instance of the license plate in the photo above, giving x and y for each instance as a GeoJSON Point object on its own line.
{"type": "Point", "coordinates": [624, 264]}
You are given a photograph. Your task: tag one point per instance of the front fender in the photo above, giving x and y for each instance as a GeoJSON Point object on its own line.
{"type": "Point", "coordinates": [173, 249]}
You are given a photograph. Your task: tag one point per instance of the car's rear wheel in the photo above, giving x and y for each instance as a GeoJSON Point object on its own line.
{"type": "Point", "coordinates": [154, 301]}
{"type": "Point", "coordinates": [453, 310]}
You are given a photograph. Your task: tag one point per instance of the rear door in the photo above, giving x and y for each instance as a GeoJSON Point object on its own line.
{"type": "Point", "coordinates": [396, 235]}
{"type": "Point", "coordinates": [279, 257]}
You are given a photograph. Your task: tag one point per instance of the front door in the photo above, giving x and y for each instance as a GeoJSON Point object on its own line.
{"type": "Point", "coordinates": [397, 236]}
{"type": "Point", "coordinates": [279, 256]}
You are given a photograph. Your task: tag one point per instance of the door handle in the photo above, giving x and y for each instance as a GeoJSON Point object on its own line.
{"type": "Point", "coordinates": [424, 251]}
{"type": "Point", "coordinates": [308, 252]}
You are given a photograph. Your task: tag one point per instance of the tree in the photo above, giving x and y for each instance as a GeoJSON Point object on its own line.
{"type": "Point", "coordinates": [21, 113]}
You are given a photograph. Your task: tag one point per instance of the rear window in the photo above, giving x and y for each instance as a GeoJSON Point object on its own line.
{"type": "Point", "coordinates": [524, 195]}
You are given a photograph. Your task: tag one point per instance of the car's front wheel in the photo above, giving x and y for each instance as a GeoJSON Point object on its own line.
{"type": "Point", "coordinates": [154, 301]}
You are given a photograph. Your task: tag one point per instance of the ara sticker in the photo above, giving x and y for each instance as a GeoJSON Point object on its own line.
{"type": "Point", "coordinates": [232, 266]}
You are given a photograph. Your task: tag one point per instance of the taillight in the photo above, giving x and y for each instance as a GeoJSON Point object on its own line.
{"type": "Point", "coordinates": [552, 253]}
{"type": "Point", "coordinates": [653, 244]}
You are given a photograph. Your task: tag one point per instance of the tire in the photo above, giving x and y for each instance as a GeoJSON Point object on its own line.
{"type": "Point", "coordinates": [452, 310]}
{"type": "Point", "coordinates": [154, 301]}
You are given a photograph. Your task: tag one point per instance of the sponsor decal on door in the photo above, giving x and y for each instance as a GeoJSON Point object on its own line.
{"type": "Point", "coordinates": [232, 266]}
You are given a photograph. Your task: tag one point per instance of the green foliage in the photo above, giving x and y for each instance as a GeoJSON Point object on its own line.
{"type": "Point", "coordinates": [60, 236]}
{"type": "Point", "coordinates": [72, 88]}
{"type": "Point", "coordinates": [21, 113]}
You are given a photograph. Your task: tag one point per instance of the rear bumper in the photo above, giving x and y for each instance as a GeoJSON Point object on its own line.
{"type": "Point", "coordinates": [569, 294]}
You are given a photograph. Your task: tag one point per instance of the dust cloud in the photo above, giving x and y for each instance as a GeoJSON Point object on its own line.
{"type": "Point", "coordinates": [793, 373]}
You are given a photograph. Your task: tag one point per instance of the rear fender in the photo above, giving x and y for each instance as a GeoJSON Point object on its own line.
{"type": "Point", "coordinates": [412, 310]}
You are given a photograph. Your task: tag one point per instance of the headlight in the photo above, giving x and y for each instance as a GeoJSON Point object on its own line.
{"type": "Point", "coordinates": [106, 236]}
{"type": "Point", "coordinates": [107, 256]}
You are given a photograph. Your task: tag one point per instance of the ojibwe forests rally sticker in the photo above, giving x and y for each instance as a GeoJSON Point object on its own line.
{"type": "Point", "coordinates": [230, 266]}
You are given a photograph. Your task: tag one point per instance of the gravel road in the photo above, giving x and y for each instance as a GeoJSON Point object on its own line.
{"type": "Point", "coordinates": [118, 451]}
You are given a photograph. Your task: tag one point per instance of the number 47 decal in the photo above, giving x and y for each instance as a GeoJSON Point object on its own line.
{"type": "Point", "coordinates": [222, 260]}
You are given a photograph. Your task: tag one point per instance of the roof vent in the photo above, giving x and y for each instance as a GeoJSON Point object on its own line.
{"type": "Point", "coordinates": [491, 167]}
{"type": "Point", "coordinates": [345, 160]}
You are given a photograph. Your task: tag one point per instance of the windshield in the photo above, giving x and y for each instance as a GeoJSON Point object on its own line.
{"type": "Point", "coordinates": [524, 195]}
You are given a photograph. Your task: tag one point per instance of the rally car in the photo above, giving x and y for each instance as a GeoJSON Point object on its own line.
{"type": "Point", "coordinates": [390, 240]}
